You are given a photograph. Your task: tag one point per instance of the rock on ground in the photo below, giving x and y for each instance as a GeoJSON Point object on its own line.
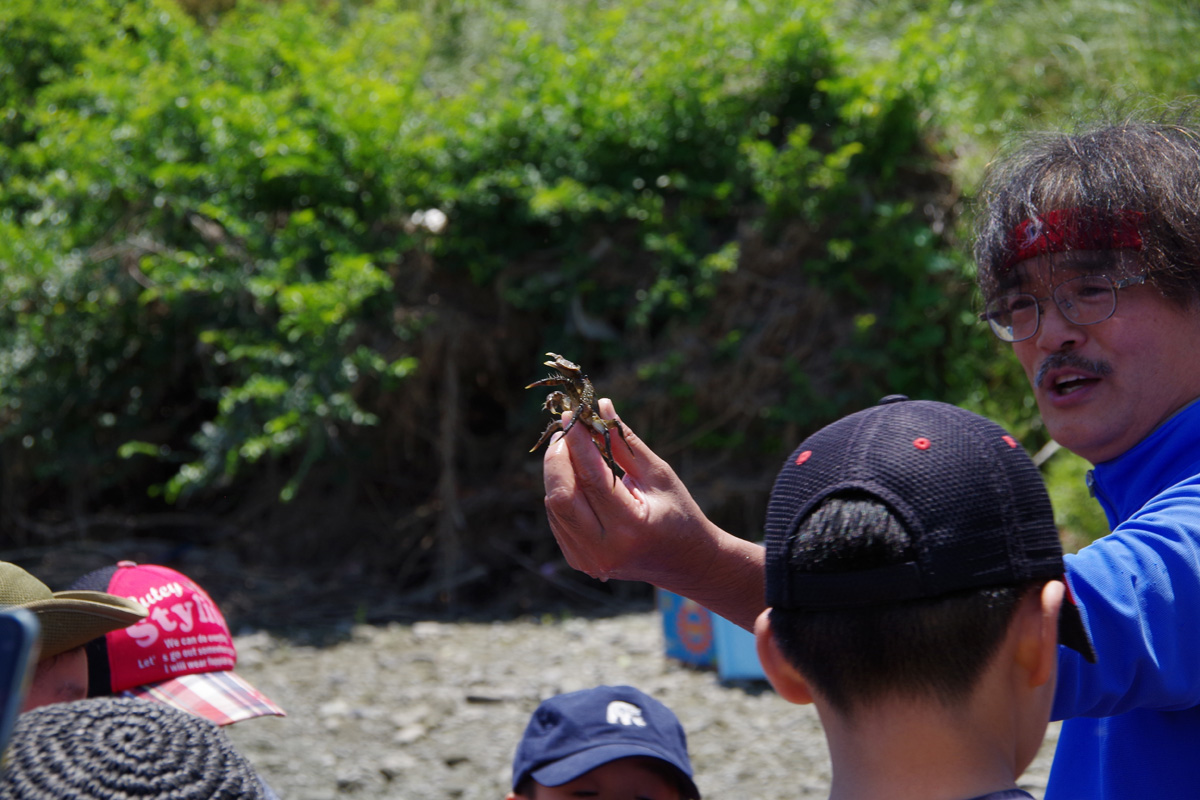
{"type": "Point", "coordinates": [435, 709]}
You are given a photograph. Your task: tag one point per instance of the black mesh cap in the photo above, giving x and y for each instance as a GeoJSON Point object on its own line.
{"type": "Point", "coordinates": [971, 499]}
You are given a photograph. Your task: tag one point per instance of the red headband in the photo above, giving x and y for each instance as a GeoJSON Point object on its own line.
{"type": "Point", "coordinates": [1073, 229]}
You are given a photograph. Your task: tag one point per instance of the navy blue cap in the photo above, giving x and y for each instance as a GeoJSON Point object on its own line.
{"type": "Point", "coordinates": [572, 734]}
{"type": "Point", "coordinates": [971, 499]}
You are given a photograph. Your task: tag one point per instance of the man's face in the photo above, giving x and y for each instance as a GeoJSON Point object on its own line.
{"type": "Point", "coordinates": [1103, 388]}
{"type": "Point", "coordinates": [58, 679]}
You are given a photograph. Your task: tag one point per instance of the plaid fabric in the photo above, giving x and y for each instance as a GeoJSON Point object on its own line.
{"type": "Point", "coordinates": [220, 697]}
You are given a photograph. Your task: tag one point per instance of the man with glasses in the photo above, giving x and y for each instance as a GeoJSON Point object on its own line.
{"type": "Point", "coordinates": [1089, 260]}
{"type": "Point", "coordinates": [1088, 256]}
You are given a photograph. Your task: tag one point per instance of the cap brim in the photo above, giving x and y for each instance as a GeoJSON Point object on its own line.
{"type": "Point", "coordinates": [220, 697]}
{"type": "Point", "coordinates": [1072, 632]}
{"type": "Point", "coordinates": [72, 619]}
{"type": "Point", "coordinates": [568, 769]}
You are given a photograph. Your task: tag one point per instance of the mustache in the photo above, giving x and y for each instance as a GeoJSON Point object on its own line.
{"type": "Point", "coordinates": [1068, 359]}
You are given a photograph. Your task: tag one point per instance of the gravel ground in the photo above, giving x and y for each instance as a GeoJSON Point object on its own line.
{"type": "Point", "coordinates": [435, 709]}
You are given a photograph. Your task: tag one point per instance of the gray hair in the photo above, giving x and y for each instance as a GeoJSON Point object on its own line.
{"type": "Point", "coordinates": [1151, 167]}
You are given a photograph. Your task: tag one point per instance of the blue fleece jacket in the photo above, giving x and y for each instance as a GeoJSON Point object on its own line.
{"type": "Point", "coordinates": [1132, 720]}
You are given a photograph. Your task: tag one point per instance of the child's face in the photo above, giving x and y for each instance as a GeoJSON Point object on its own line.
{"type": "Point", "coordinates": [58, 679]}
{"type": "Point", "coordinates": [632, 778]}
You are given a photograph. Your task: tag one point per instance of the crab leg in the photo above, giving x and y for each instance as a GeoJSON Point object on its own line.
{"type": "Point", "coordinates": [555, 424]}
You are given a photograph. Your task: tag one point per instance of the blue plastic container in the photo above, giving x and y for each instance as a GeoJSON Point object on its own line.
{"type": "Point", "coordinates": [737, 656]}
{"type": "Point", "coordinates": [687, 629]}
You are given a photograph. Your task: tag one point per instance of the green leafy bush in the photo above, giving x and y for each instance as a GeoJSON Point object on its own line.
{"type": "Point", "coordinates": [297, 249]}
{"type": "Point", "coordinates": [190, 216]}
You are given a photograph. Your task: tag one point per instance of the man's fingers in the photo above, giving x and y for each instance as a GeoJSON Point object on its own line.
{"type": "Point", "coordinates": [562, 534]}
{"type": "Point", "coordinates": [633, 456]}
{"type": "Point", "coordinates": [558, 475]}
{"type": "Point", "coordinates": [591, 471]}
{"type": "Point", "coordinates": [576, 527]}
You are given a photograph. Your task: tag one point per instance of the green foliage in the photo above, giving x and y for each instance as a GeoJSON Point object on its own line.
{"type": "Point", "coordinates": [634, 118]}
{"type": "Point", "coordinates": [190, 216]}
{"type": "Point", "coordinates": [221, 222]}
{"type": "Point", "coordinates": [1077, 513]}
{"type": "Point", "coordinates": [1015, 65]}
{"type": "Point", "coordinates": [237, 238]}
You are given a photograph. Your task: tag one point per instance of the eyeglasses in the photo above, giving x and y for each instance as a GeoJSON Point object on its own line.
{"type": "Point", "coordinates": [1085, 300]}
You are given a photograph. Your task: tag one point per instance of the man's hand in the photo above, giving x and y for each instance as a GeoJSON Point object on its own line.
{"type": "Point", "coordinates": [645, 527]}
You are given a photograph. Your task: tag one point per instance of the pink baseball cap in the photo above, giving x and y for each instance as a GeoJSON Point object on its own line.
{"type": "Point", "coordinates": [182, 654]}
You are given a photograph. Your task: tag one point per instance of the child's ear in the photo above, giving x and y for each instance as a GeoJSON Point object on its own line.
{"type": "Point", "coordinates": [789, 683]}
{"type": "Point", "coordinates": [1053, 596]}
{"type": "Point", "coordinates": [1038, 648]}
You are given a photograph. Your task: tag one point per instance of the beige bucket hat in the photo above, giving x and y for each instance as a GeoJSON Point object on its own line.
{"type": "Point", "coordinates": [68, 619]}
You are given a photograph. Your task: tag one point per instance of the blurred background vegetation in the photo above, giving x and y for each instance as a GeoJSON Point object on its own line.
{"type": "Point", "coordinates": [274, 274]}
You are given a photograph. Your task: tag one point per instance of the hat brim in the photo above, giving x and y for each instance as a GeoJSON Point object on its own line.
{"type": "Point", "coordinates": [72, 619]}
{"type": "Point", "coordinates": [1072, 632]}
{"type": "Point", "coordinates": [573, 766]}
{"type": "Point", "coordinates": [221, 697]}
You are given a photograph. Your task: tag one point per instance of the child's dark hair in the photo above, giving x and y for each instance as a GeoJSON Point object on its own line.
{"type": "Point", "coordinates": [932, 648]}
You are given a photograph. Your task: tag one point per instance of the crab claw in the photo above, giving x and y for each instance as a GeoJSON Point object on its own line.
{"type": "Point", "coordinates": [561, 364]}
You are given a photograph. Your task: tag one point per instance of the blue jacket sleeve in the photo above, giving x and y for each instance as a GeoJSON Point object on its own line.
{"type": "Point", "coordinates": [1138, 589]}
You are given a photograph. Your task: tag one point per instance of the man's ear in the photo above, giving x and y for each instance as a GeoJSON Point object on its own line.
{"type": "Point", "coordinates": [789, 683]}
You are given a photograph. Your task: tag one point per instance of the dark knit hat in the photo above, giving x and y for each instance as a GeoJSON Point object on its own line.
{"type": "Point", "coordinates": [967, 493]}
{"type": "Point", "coordinates": [105, 748]}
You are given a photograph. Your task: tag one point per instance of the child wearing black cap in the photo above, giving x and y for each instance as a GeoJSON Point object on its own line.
{"type": "Point", "coordinates": [607, 743]}
{"type": "Point", "coordinates": [913, 574]}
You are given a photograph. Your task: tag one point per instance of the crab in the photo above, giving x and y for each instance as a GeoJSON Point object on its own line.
{"type": "Point", "coordinates": [577, 396]}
